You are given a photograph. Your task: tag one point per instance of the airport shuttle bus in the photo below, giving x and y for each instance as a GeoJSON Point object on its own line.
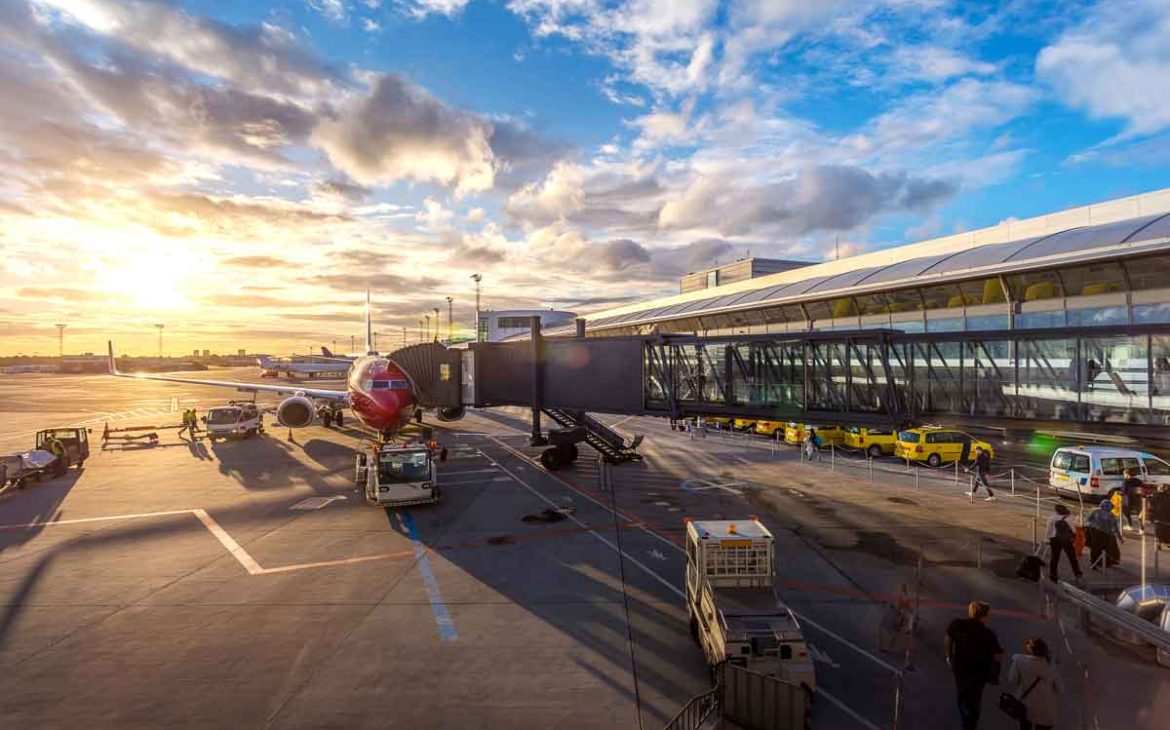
{"type": "Point", "coordinates": [397, 475]}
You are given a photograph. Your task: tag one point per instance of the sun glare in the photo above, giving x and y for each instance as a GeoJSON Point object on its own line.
{"type": "Point", "coordinates": [155, 278]}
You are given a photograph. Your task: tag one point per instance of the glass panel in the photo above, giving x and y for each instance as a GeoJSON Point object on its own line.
{"type": "Point", "coordinates": [903, 269]}
{"type": "Point", "coordinates": [1040, 320]}
{"type": "Point", "coordinates": [868, 378]}
{"type": "Point", "coordinates": [1096, 317]}
{"type": "Point", "coordinates": [1160, 387]}
{"type": "Point", "coordinates": [1114, 378]}
{"type": "Point", "coordinates": [913, 325]}
{"type": "Point", "coordinates": [903, 300]}
{"type": "Point", "coordinates": [843, 307]}
{"type": "Point", "coordinates": [1035, 285]}
{"type": "Point", "coordinates": [1148, 272]}
{"type": "Point", "coordinates": [1086, 281]}
{"type": "Point", "coordinates": [943, 296]}
{"type": "Point", "coordinates": [988, 377]}
{"type": "Point", "coordinates": [988, 322]}
{"type": "Point", "coordinates": [936, 377]}
{"type": "Point", "coordinates": [1151, 313]}
{"type": "Point", "coordinates": [949, 324]}
{"type": "Point", "coordinates": [1159, 228]}
{"type": "Point", "coordinates": [826, 368]}
{"type": "Point", "coordinates": [1082, 239]}
{"type": "Point", "coordinates": [819, 310]}
{"type": "Point", "coordinates": [872, 304]}
{"type": "Point", "coordinates": [980, 256]}
{"type": "Point", "coordinates": [982, 291]}
{"type": "Point", "coordinates": [1048, 379]}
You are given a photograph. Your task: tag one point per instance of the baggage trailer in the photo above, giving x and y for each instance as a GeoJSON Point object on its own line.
{"type": "Point", "coordinates": [56, 450]}
{"type": "Point", "coordinates": [735, 614]}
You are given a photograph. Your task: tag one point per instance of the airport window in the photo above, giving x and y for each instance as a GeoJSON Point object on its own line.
{"type": "Point", "coordinates": [1114, 378]}
{"type": "Point", "coordinates": [843, 307]}
{"type": "Point", "coordinates": [872, 304]}
{"type": "Point", "coordinates": [1040, 320]}
{"type": "Point", "coordinates": [988, 322]}
{"type": "Point", "coordinates": [1149, 272]}
{"type": "Point", "coordinates": [1087, 281]}
{"type": "Point", "coordinates": [950, 324]}
{"type": "Point", "coordinates": [1151, 313]}
{"type": "Point", "coordinates": [940, 297]}
{"type": "Point", "coordinates": [1097, 316]}
{"type": "Point", "coordinates": [1034, 286]}
{"type": "Point", "coordinates": [982, 291]}
{"type": "Point", "coordinates": [904, 300]}
{"type": "Point", "coordinates": [1048, 378]}
{"type": "Point", "coordinates": [819, 310]}
{"type": "Point", "coordinates": [512, 323]}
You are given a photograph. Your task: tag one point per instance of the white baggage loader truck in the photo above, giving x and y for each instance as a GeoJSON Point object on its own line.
{"type": "Point", "coordinates": [734, 611]}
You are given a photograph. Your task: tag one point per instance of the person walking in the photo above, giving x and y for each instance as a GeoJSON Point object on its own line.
{"type": "Point", "coordinates": [981, 467]}
{"type": "Point", "coordinates": [1033, 680]}
{"type": "Point", "coordinates": [1131, 491]}
{"type": "Point", "coordinates": [1061, 539]}
{"type": "Point", "coordinates": [1104, 535]}
{"type": "Point", "coordinates": [1158, 509]}
{"type": "Point", "coordinates": [973, 653]}
{"type": "Point", "coordinates": [810, 444]}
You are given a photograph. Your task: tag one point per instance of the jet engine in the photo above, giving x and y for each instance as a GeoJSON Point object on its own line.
{"type": "Point", "coordinates": [295, 412]}
{"type": "Point", "coordinates": [454, 413]}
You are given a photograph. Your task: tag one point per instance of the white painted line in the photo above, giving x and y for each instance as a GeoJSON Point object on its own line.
{"type": "Point", "coordinates": [846, 709]}
{"type": "Point", "coordinates": [878, 660]}
{"type": "Point", "coordinates": [670, 586]}
{"type": "Point", "coordinates": [229, 543]}
{"type": "Point", "coordinates": [821, 656]}
{"type": "Point", "coordinates": [312, 503]}
{"type": "Point", "coordinates": [79, 521]}
{"type": "Point", "coordinates": [591, 498]}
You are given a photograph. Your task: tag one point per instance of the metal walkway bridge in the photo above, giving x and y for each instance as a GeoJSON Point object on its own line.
{"type": "Point", "coordinates": [1033, 377]}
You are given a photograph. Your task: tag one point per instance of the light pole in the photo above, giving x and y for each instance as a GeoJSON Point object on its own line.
{"type": "Point", "coordinates": [351, 343]}
{"type": "Point", "coordinates": [436, 311]}
{"type": "Point", "coordinates": [375, 342]}
{"type": "Point", "coordinates": [475, 327]}
{"type": "Point", "coordinates": [450, 322]}
{"type": "Point", "coordinates": [420, 330]}
{"type": "Point", "coordinates": [404, 335]}
{"type": "Point", "coordinates": [428, 326]}
{"type": "Point", "coordinates": [60, 340]}
{"type": "Point", "coordinates": [160, 330]}
{"type": "Point", "coordinates": [334, 345]}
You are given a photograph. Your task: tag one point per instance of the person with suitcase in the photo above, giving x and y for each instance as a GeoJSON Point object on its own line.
{"type": "Point", "coordinates": [1061, 539]}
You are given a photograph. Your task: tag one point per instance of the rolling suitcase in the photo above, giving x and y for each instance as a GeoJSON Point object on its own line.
{"type": "Point", "coordinates": [1030, 568]}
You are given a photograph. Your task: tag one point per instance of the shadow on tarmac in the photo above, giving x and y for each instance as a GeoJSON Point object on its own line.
{"type": "Point", "coordinates": [36, 502]}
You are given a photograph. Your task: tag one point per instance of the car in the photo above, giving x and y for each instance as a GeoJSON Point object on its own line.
{"type": "Point", "coordinates": [743, 424]}
{"type": "Point", "coordinates": [937, 446]}
{"type": "Point", "coordinates": [828, 434]}
{"type": "Point", "coordinates": [874, 442]}
{"type": "Point", "coordinates": [793, 433]}
{"type": "Point", "coordinates": [1097, 471]}
{"type": "Point", "coordinates": [770, 428]}
{"type": "Point", "coordinates": [720, 422]}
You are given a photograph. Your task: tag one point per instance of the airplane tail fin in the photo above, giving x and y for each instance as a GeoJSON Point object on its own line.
{"type": "Point", "coordinates": [110, 365]}
{"type": "Point", "coordinates": [264, 361]}
{"type": "Point", "coordinates": [326, 352]}
{"type": "Point", "coordinates": [369, 327]}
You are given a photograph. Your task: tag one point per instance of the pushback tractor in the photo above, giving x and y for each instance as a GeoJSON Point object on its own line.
{"type": "Point", "coordinates": [735, 614]}
{"type": "Point", "coordinates": [397, 475]}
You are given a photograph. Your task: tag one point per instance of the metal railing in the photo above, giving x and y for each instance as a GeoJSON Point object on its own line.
{"type": "Point", "coordinates": [1093, 608]}
{"type": "Point", "coordinates": [696, 711]}
{"type": "Point", "coordinates": [751, 700]}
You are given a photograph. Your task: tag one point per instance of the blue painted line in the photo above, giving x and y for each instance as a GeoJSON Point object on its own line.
{"type": "Point", "coordinates": [443, 619]}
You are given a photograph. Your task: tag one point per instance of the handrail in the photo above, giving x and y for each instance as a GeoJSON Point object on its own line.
{"type": "Point", "coordinates": [1114, 616]}
{"type": "Point", "coordinates": [696, 711]}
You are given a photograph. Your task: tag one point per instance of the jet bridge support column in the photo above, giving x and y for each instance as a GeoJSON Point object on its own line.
{"type": "Point", "coordinates": [537, 339]}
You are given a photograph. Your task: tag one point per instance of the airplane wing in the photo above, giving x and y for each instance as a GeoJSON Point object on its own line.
{"type": "Point", "coordinates": [242, 387]}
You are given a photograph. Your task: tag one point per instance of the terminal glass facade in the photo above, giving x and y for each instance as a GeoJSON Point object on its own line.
{"type": "Point", "coordinates": [1041, 375]}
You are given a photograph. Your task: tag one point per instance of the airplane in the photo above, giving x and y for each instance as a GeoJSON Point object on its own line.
{"type": "Point", "coordinates": [330, 355]}
{"type": "Point", "coordinates": [272, 367]}
{"type": "Point", "coordinates": [378, 393]}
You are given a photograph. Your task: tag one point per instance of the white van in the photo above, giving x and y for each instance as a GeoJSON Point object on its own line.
{"type": "Point", "coordinates": [1095, 471]}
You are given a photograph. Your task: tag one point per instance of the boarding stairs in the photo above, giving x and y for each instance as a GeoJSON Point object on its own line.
{"type": "Point", "coordinates": [612, 446]}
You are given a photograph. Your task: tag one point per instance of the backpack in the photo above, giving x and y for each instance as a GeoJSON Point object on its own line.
{"type": "Point", "coordinates": [1064, 532]}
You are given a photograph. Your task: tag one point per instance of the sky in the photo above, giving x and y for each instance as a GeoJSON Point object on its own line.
{"type": "Point", "coordinates": [242, 172]}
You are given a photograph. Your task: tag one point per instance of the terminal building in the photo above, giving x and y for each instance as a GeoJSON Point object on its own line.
{"type": "Point", "coordinates": [499, 325]}
{"type": "Point", "coordinates": [1063, 317]}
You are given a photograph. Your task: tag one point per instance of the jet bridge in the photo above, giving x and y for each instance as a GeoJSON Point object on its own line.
{"type": "Point", "coordinates": [1025, 379]}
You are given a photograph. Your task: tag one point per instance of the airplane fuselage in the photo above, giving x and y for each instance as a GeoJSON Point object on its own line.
{"type": "Point", "coordinates": [379, 393]}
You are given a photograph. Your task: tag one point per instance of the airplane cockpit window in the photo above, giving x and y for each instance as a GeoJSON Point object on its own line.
{"type": "Point", "coordinates": [399, 385]}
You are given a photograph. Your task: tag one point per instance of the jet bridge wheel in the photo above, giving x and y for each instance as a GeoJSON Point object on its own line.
{"type": "Point", "coordinates": [558, 456]}
{"type": "Point", "coordinates": [327, 419]}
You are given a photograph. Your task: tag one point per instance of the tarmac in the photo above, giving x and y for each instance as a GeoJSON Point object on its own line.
{"type": "Point", "coordinates": [247, 584]}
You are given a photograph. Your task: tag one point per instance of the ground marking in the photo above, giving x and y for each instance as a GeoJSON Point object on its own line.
{"type": "Point", "coordinates": [430, 583]}
{"type": "Point", "coordinates": [821, 656]}
{"type": "Point", "coordinates": [656, 554]}
{"type": "Point", "coordinates": [317, 502]}
{"type": "Point", "coordinates": [702, 485]}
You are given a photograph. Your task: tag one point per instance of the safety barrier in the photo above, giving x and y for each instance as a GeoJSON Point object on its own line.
{"type": "Point", "coordinates": [1092, 608]}
{"type": "Point", "coordinates": [751, 700]}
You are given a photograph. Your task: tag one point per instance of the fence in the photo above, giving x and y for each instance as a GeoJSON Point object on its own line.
{"type": "Point", "coordinates": [751, 700]}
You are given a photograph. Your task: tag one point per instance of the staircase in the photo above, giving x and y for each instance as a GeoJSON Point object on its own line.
{"type": "Point", "coordinates": [607, 442]}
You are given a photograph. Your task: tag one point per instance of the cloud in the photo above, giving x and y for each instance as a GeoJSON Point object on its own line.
{"type": "Point", "coordinates": [255, 262]}
{"type": "Point", "coordinates": [420, 9]}
{"type": "Point", "coordinates": [262, 58]}
{"type": "Point", "coordinates": [342, 190]}
{"type": "Point", "coordinates": [950, 113]}
{"type": "Point", "coordinates": [619, 254]}
{"type": "Point", "coordinates": [823, 197]}
{"type": "Point", "coordinates": [334, 10]}
{"type": "Point", "coordinates": [935, 63]}
{"type": "Point", "coordinates": [1115, 64]}
{"type": "Point", "coordinates": [400, 132]}
{"type": "Point", "coordinates": [61, 293]}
